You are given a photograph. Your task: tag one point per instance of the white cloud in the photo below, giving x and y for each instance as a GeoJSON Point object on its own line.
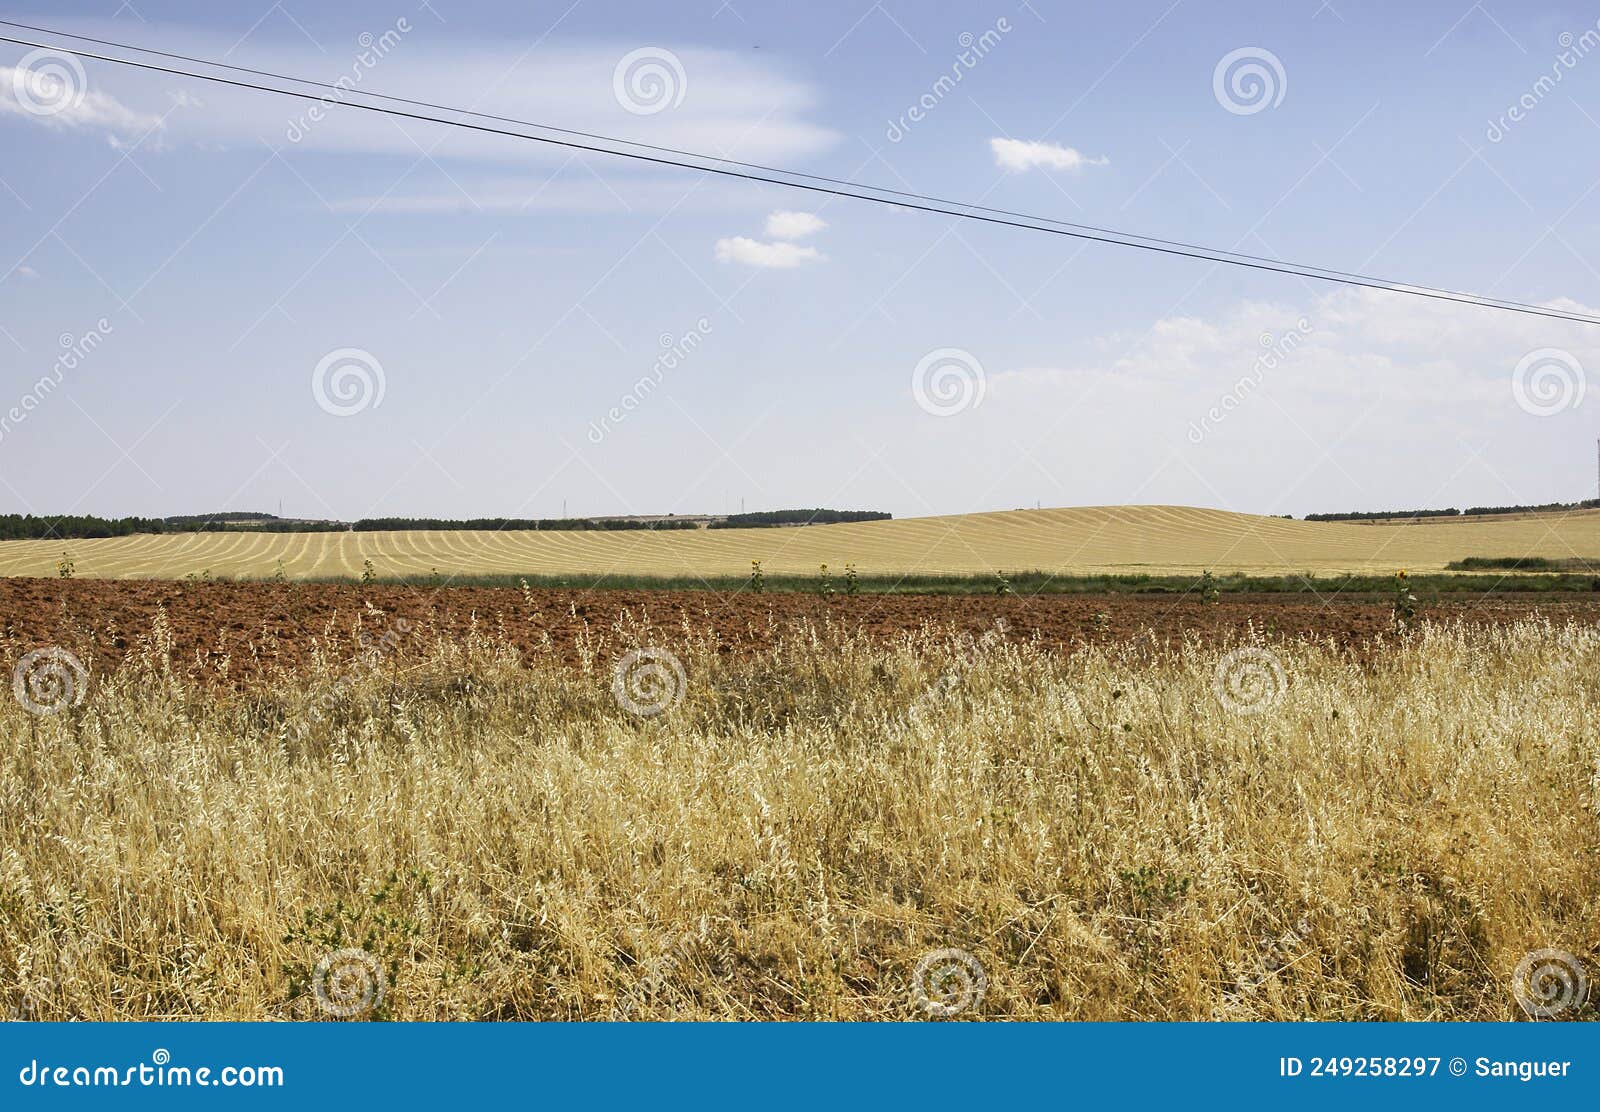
{"type": "Point", "coordinates": [1018, 155]}
{"type": "Point", "coordinates": [735, 104]}
{"type": "Point", "coordinates": [752, 252]}
{"type": "Point", "coordinates": [601, 186]}
{"type": "Point", "coordinates": [27, 272]}
{"type": "Point", "coordinates": [783, 226]}
{"type": "Point", "coordinates": [71, 108]}
{"type": "Point", "coordinates": [1378, 401]}
{"type": "Point", "coordinates": [1357, 345]}
{"type": "Point", "coordinates": [1386, 365]}
{"type": "Point", "coordinates": [794, 225]}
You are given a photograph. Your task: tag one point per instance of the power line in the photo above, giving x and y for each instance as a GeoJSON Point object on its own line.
{"type": "Point", "coordinates": [1387, 283]}
{"type": "Point", "coordinates": [976, 213]}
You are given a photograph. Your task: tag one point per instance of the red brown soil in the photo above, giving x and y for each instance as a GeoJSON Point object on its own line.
{"type": "Point", "coordinates": [258, 627]}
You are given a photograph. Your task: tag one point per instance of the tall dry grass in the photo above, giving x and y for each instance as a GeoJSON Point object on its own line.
{"type": "Point", "coordinates": [1106, 835]}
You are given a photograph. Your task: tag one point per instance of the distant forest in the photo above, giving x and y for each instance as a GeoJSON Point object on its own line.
{"type": "Point", "coordinates": [14, 527]}
{"type": "Point", "coordinates": [1474, 511]}
{"type": "Point", "coordinates": [498, 524]}
{"type": "Point", "coordinates": [796, 517]}
{"type": "Point", "coordinates": [17, 527]}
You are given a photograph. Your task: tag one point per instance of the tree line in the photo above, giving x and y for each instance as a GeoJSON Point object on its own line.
{"type": "Point", "coordinates": [499, 524]}
{"type": "Point", "coordinates": [765, 518]}
{"type": "Point", "coordinates": [89, 527]}
{"type": "Point", "coordinates": [1471, 511]}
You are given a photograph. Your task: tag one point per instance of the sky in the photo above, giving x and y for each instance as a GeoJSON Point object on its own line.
{"type": "Point", "coordinates": [213, 298]}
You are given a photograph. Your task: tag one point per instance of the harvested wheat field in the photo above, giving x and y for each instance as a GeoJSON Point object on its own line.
{"type": "Point", "coordinates": [631, 820]}
{"type": "Point", "coordinates": [1156, 539]}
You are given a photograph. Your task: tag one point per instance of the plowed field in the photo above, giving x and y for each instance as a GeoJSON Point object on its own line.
{"type": "Point", "coordinates": [254, 627]}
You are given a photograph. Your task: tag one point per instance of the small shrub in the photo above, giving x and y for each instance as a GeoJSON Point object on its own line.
{"type": "Point", "coordinates": [383, 923]}
{"type": "Point", "coordinates": [1405, 603]}
{"type": "Point", "coordinates": [66, 569]}
{"type": "Point", "coordinates": [758, 581]}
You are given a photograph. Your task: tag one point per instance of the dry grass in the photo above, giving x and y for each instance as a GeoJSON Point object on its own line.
{"type": "Point", "coordinates": [1107, 837]}
{"type": "Point", "coordinates": [1087, 540]}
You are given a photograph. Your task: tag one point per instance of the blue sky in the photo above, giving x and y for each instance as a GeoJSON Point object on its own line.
{"type": "Point", "coordinates": [200, 252]}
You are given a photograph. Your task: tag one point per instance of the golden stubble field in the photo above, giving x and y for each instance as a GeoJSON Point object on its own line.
{"type": "Point", "coordinates": [1155, 539]}
{"type": "Point", "coordinates": [416, 826]}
